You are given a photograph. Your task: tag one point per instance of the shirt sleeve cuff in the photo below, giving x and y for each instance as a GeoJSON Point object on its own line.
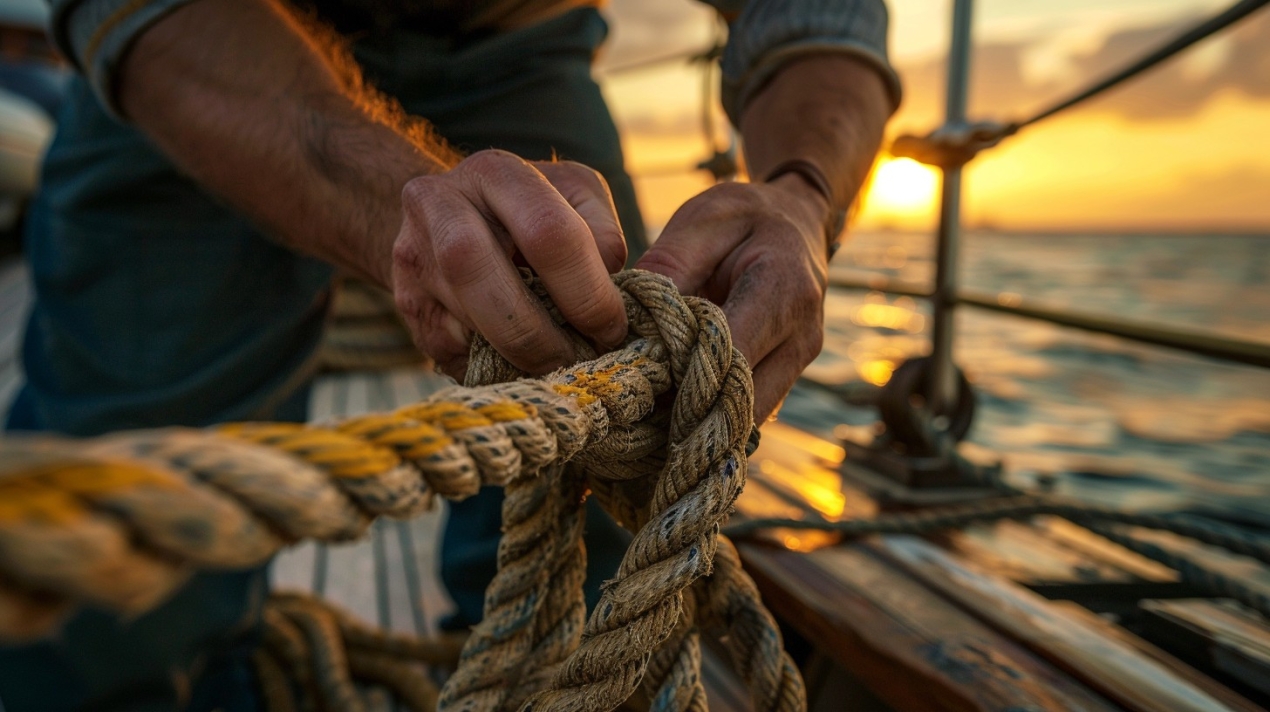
{"type": "Point", "coordinates": [770, 33]}
{"type": "Point", "coordinates": [96, 34]}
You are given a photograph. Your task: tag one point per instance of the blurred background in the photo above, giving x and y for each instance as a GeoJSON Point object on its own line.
{"type": "Point", "coordinates": [1150, 203]}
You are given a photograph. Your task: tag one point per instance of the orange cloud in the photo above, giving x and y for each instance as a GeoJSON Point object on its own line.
{"type": "Point", "coordinates": [1179, 149]}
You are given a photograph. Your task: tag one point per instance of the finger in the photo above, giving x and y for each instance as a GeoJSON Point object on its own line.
{"type": "Point", "coordinates": [489, 292]}
{"type": "Point", "coordinates": [759, 312]}
{"type": "Point", "coordinates": [698, 237]}
{"type": "Point", "coordinates": [443, 337]}
{"type": "Point", "coordinates": [773, 378]}
{"type": "Point", "coordinates": [555, 241]}
{"type": "Point", "coordinates": [588, 193]}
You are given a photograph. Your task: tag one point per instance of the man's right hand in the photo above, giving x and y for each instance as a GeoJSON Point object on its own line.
{"type": "Point", "coordinates": [462, 232]}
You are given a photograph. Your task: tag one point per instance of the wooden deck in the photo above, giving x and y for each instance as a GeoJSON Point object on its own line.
{"type": "Point", "coordinates": [991, 617]}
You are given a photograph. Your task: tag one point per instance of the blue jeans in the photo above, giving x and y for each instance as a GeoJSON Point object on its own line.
{"type": "Point", "coordinates": [156, 305]}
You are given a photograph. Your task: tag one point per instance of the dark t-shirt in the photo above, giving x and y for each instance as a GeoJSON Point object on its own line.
{"type": "Point", "coordinates": [449, 18]}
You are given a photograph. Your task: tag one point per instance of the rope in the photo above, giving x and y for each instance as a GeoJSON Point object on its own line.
{"type": "Point", "coordinates": [317, 657]}
{"type": "Point", "coordinates": [658, 430]}
{"type": "Point", "coordinates": [1096, 519]}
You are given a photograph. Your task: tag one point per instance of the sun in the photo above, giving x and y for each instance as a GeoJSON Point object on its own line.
{"type": "Point", "coordinates": [901, 189]}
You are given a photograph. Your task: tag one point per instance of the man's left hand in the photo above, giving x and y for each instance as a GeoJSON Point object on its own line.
{"type": "Point", "coordinates": [759, 250]}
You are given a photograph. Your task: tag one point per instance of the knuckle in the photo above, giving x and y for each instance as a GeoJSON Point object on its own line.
{"type": "Point", "coordinates": [811, 344]}
{"type": "Point", "coordinates": [807, 293]}
{"type": "Point", "coordinates": [546, 234]}
{"type": "Point", "coordinates": [586, 173]}
{"type": "Point", "coordinates": [491, 162]}
{"type": "Point", "coordinates": [417, 189]}
{"type": "Point", "coordinates": [730, 190]}
{"type": "Point", "coordinates": [731, 196]}
{"type": "Point", "coordinates": [453, 249]}
{"type": "Point", "coordinates": [722, 201]}
{"type": "Point", "coordinates": [487, 158]}
{"type": "Point", "coordinates": [408, 256]}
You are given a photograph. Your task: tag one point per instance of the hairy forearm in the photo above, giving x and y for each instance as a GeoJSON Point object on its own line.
{"type": "Point", "coordinates": [829, 109]}
{"type": "Point", "coordinates": [264, 113]}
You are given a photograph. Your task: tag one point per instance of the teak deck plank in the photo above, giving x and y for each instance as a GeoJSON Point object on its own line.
{"type": "Point", "coordinates": [1101, 658]}
{"type": "Point", "coordinates": [911, 648]}
{"type": "Point", "coordinates": [1173, 664]}
{"type": "Point", "coordinates": [1021, 553]}
{"type": "Point", "coordinates": [1231, 639]}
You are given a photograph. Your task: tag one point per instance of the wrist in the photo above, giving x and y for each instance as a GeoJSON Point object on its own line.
{"type": "Point", "coordinates": [360, 170]}
{"type": "Point", "coordinates": [804, 180]}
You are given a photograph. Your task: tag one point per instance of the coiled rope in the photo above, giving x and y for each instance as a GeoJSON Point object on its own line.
{"type": "Point", "coordinates": [313, 653]}
{"type": "Point", "coordinates": [657, 430]}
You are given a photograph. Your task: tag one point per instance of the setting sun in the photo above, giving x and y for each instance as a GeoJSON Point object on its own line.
{"type": "Point", "coordinates": [901, 188]}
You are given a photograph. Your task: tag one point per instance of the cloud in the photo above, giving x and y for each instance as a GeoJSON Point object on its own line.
{"type": "Point", "coordinates": [1011, 79]}
{"type": "Point", "coordinates": [655, 124]}
{"type": "Point", "coordinates": [645, 29]}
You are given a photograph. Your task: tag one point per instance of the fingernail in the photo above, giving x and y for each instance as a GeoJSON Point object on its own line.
{"type": "Point", "coordinates": [614, 336]}
{"type": "Point", "coordinates": [456, 331]}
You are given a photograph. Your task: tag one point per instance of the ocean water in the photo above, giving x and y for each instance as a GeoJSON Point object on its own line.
{"type": "Point", "coordinates": [1102, 418]}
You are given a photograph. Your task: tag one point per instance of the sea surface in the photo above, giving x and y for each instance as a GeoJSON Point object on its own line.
{"type": "Point", "coordinates": [1098, 417]}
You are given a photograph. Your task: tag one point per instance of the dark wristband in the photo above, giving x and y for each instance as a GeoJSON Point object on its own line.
{"type": "Point", "coordinates": [815, 177]}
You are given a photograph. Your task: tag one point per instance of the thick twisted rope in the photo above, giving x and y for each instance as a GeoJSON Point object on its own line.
{"type": "Point", "coordinates": [657, 430]}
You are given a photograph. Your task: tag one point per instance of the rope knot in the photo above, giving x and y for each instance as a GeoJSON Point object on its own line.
{"type": "Point", "coordinates": [671, 417]}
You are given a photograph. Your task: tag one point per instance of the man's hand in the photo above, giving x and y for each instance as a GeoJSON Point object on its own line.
{"type": "Point", "coordinates": [759, 250]}
{"type": "Point", "coordinates": [453, 263]}
{"type": "Point", "coordinates": [253, 104]}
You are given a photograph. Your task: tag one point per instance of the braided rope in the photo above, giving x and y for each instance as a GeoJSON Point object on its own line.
{"type": "Point", "coordinates": [120, 521]}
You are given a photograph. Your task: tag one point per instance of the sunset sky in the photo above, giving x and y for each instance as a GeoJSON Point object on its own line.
{"type": "Point", "coordinates": [1185, 148]}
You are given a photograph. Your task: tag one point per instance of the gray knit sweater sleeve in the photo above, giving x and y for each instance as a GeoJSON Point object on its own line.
{"type": "Point", "coordinates": [765, 34]}
{"type": "Point", "coordinates": [95, 35]}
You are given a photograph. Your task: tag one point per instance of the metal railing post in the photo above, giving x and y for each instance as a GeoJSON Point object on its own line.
{"type": "Point", "coordinates": [943, 384]}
